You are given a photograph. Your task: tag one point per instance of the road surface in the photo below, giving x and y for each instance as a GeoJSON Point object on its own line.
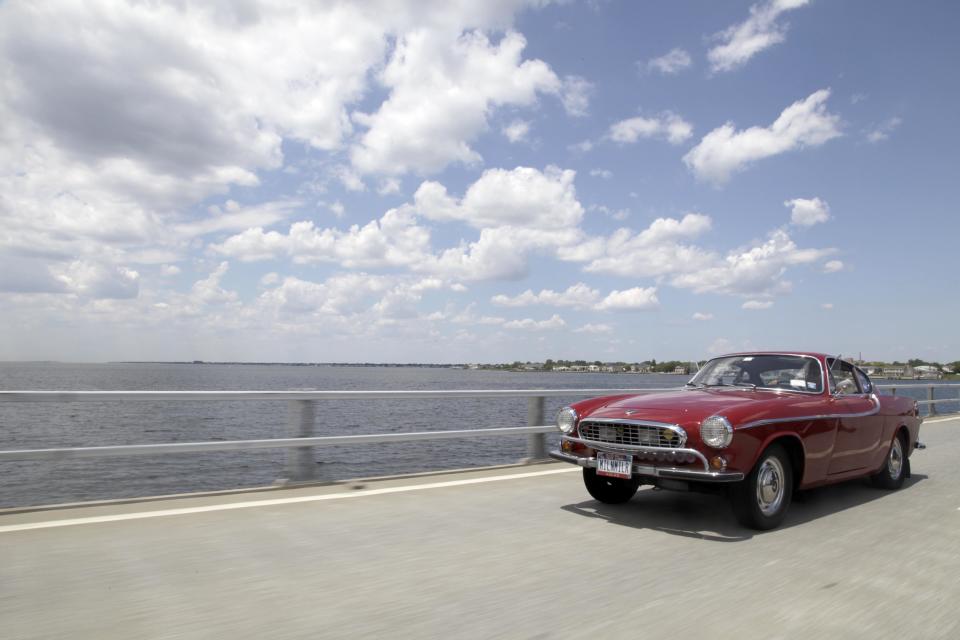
{"type": "Point", "coordinates": [499, 553]}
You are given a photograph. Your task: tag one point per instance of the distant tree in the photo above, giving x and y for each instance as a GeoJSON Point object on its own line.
{"type": "Point", "coordinates": [548, 364]}
{"type": "Point", "coordinates": [915, 362]}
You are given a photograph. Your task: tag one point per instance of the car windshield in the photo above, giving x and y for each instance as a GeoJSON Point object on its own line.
{"type": "Point", "coordinates": [794, 373]}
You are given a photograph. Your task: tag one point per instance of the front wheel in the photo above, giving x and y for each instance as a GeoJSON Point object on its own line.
{"type": "Point", "coordinates": [761, 500]}
{"type": "Point", "coordinates": [609, 490]}
{"type": "Point", "coordinates": [896, 468]}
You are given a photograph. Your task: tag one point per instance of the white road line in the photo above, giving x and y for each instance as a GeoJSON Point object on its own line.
{"type": "Point", "coordinates": [936, 420]}
{"type": "Point", "coordinates": [50, 524]}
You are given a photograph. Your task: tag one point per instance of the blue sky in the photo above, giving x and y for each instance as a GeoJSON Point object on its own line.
{"type": "Point", "coordinates": [463, 182]}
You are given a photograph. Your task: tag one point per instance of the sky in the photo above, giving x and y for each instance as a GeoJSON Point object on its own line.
{"type": "Point", "coordinates": [460, 181]}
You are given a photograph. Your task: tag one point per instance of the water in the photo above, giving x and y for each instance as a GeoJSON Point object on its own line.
{"type": "Point", "coordinates": [41, 425]}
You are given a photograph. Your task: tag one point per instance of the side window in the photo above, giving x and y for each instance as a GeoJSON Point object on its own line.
{"type": "Point", "coordinates": [865, 385]}
{"type": "Point", "coordinates": [842, 379]}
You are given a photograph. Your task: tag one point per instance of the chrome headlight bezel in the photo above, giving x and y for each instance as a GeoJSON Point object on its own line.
{"type": "Point", "coordinates": [567, 419]}
{"type": "Point", "coordinates": [716, 432]}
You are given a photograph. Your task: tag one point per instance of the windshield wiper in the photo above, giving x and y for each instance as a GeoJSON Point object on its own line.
{"type": "Point", "coordinates": [696, 385]}
{"type": "Point", "coordinates": [745, 384]}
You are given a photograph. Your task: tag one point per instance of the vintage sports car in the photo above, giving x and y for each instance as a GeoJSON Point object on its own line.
{"type": "Point", "coordinates": [760, 425]}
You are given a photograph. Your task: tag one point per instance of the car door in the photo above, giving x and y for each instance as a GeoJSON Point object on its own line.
{"type": "Point", "coordinates": [858, 426]}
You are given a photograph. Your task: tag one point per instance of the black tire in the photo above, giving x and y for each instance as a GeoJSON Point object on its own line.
{"type": "Point", "coordinates": [896, 466]}
{"type": "Point", "coordinates": [609, 490]}
{"type": "Point", "coordinates": [761, 500]}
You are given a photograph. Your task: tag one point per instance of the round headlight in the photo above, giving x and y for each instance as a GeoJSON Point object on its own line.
{"type": "Point", "coordinates": [566, 419]}
{"type": "Point", "coordinates": [716, 432]}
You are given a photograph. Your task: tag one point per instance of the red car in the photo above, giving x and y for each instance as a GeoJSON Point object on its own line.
{"type": "Point", "coordinates": [763, 425]}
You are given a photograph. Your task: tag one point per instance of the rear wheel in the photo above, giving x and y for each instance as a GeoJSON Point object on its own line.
{"type": "Point", "coordinates": [761, 500]}
{"type": "Point", "coordinates": [609, 490]}
{"type": "Point", "coordinates": [897, 466]}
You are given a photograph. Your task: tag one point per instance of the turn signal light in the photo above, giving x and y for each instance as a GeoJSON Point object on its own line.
{"type": "Point", "coordinates": [566, 446]}
{"type": "Point", "coordinates": [718, 463]}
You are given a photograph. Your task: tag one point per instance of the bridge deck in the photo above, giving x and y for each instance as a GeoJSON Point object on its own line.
{"type": "Point", "coordinates": [518, 552]}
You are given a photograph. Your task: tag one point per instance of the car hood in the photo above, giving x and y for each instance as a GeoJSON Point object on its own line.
{"type": "Point", "coordinates": [691, 407]}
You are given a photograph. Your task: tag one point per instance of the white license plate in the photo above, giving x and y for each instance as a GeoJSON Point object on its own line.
{"type": "Point", "coordinates": [615, 465]}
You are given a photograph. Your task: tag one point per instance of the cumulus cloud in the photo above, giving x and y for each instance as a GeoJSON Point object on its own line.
{"type": "Point", "coordinates": [529, 324]}
{"type": "Point", "coordinates": [523, 197]}
{"type": "Point", "coordinates": [594, 328]}
{"type": "Point", "coordinates": [393, 240]}
{"type": "Point", "coordinates": [465, 78]}
{"type": "Point", "coordinates": [754, 270]}
{"type": "Point", "coordinates": [808, 212]}
{"type": "Point", "coordinates": [581, 296]}
{"type": "Point", "coordinates": [725, 151]}
{"type": "Point", "coordinates": [832, 266]}
{"type": "Point", "coordinates": [761, 30]}
{"type": "Point", "coordinates": [655, 251]}
{"type": "Point", "coordinates": [674, 61]}
{"type": "Point", "coordinates": [757, 305]}
{"type": "Point", "coordinates": [668, 126]}
{"type": "Point", "coordinates": [517, 131]}
{"type": "Point", "coordinates": [698, 315]}
{"type": "Point", "coordinates": [575, 96]}
{"type": "Point", "coordinates": [883, 130]}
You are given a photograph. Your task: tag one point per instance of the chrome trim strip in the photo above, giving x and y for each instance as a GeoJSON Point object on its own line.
{"type": "Point", "coordinates": [631, 448]}
{"type": "Point", "coordinates": [822, 416]}
{"type": "Point", "coordinates": [677, 429]}
{"type": "Point", "coordinates": [647, 470]}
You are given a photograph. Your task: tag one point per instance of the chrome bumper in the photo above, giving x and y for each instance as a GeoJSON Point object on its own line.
{"type": "Point", "coordinates": [656, 472]}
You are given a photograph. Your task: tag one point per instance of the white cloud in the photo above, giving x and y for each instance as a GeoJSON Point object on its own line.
{"type": "Point", "coordinates": [756, 305]}
{"type": "Point", "coordinates": [808, 212]}
{"type": "Point", "coordinates": [209, 291]}
{"type": "Point", "coordinates": [517, 131]}
{"type": "Point", "coordinates": [169, 270]}
{"type": "Point", "coordinates": [698, 315]}
{"type": "Point", "coordinates": [832, 266]}
{"type": "Point", "coordinates": [393, 240]}
{"type": "Point", "coordinates": [337, 209]}
{"type": "Point", "coordinates": [529, 324]}
{"type": "Point", "coordinates": [827, 306]}
{"type": "Point", "coordinates": [668, 126]}
{"type": "Point", "coordinates": [654, 251]}
{"type": "Point", "coordinates": [575, 95]}
{"type": "Point", "coordinates": [93, 280]}
{"type": "Point", "coordinates": [756, 270]}
{"type": "Point", "coordinates": [674, 61]}
{"type": "Point", "coordinates": [522, 197]}
{"type": "Point", "coordinates": [388, 186]}
{"type": "Point", "coordinates": [724, 151]}
{"type": "Point", "coordinates": [635, 299]}
{"type": "Point", "coordinates": [759, 31]}
{"type": "Point", "coordinates": [581, 147]}
{"type": "Point", "coordinates": [581, 296]}
{"type": "Point", "coordinates": [606, 174]}
{"type": "Point", "coordinates": [882, 131]}
{"type": "Point", "coordinates": [465, 77]}
{"type": "Point", "coordinates": [594, 328]}
{"type": "Point", "coordinates": [720, 346]}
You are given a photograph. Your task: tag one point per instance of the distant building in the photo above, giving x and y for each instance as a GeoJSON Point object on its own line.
{"type": "Point", "coordinates": [681, 370]}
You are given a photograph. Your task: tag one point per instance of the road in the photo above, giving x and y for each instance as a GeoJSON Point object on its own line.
{"type": "Point", "coordinates": [499, 553]}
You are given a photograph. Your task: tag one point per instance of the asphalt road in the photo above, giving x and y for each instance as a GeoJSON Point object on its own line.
{"type": "Point", "coordinates": [499, 553]}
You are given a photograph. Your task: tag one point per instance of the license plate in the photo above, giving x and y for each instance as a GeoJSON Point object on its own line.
{"type": "Point", "coordinates": [614, 465]}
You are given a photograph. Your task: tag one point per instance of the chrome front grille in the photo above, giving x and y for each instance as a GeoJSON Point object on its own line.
{"type": "Point", "coordinates": [632, 433]}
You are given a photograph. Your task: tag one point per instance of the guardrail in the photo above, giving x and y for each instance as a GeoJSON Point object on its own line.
{"type": "Point", "coordinates": [301, 466]}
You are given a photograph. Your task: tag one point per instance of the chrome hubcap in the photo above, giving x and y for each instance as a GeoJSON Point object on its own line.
{"type": "Point", "coordinates": [770, 487]}
{"type": "Point", "coordinates": [895, 461]}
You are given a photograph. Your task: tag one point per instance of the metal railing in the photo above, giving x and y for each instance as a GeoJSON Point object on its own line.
{"type": "Point", "coordinates": [301, 465]}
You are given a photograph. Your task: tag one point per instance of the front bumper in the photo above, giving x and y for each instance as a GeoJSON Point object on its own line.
{"type": "Point", "coordinates": [590, 462]}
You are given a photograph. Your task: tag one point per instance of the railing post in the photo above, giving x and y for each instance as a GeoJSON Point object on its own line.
{"type": "Point", "coordinates": [537, 442]}
{"type": "Point", "coordinates": [301, 466]}
{"type": "Point", "coordinates": [932, 411]}
{"type": "Point", "coordinates": [893, 391]}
